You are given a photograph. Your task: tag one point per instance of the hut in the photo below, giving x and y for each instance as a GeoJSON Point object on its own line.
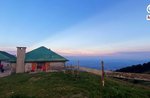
{"type": "Point", "coordinates": [44, 59]}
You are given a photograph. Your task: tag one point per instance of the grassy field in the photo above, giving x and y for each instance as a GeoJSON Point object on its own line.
{"type": "Point", "coordinates": [60, 85]}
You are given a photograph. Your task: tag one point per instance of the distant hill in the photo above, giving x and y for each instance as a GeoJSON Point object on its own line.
{"type": "Point", "coordinates": [144, 68]}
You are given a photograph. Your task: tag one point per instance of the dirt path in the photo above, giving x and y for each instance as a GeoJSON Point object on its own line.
{"type": "Point", "coordinates": [94, 71]}
{"type": "Point", "coordinates": [5, 73]}
{"type": "Point", "coordinates": [135, 76]}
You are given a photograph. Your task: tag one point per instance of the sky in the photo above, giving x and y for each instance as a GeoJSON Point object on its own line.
{"type": "Point", "coordinates": [76, 27]}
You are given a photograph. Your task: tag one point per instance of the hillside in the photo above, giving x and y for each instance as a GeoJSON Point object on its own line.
{"type": "Point", "coordinates": [144, 68]}
{"type": "Point", "coordinates": [60, 85]}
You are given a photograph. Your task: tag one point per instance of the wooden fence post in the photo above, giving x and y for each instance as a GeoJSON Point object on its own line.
{"type": "Point", "coordinates": [102, 77]}
{"type": "Point", "coordinates": [78, 67]}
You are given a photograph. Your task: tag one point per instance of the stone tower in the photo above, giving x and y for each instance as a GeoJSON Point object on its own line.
{"type": "Point", "coordinates": [20, 65]}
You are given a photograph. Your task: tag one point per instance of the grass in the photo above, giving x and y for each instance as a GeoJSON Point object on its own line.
{"type": "Point", "coordinates": [60, 85]}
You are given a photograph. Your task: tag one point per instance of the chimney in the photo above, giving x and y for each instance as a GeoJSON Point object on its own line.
{"type": "Point", "coordinates": [20, 67]}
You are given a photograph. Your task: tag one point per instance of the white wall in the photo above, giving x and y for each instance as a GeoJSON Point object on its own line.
{"type": "Point", "coordinates": [51, 66]}
{"type": "Point", "coordinates": [13, 67]}
{"type": "Point", "coordinates": [6, 65]}
{"type": "Point", "coordinates": [28, 67]}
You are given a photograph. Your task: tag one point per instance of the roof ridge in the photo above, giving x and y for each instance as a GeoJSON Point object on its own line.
{"type": "Point", "coordinates": [43, 54]}
{"type": "Point", "coordinates": [7, 55]}
{"type": "Point", "coordinates": [37, 49]}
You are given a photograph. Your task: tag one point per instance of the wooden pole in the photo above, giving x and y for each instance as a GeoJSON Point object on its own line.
{"type": "Point", "coordinates": [78, 68]}
{"type": "Point", "coordinates": [102, 63]}
{"type": "Point", "coordinates": [78, 65]}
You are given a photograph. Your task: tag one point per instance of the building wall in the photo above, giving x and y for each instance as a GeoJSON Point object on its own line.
{"type": "Point", "coordinates": [13, 67]}
{"type": "Point", "coordinates": [6, 65]}
{"type": "Point", "coordinates": [50, 66]}
{"type": "Point", "coordinates": [28, 67]}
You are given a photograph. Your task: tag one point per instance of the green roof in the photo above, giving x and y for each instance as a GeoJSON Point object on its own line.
{"type": "Point", "coordinates": [3, 57]}
{"type": "Point", "coordinates": [7, 56]}
{"type": "Point", "coordinates": [42, 54]}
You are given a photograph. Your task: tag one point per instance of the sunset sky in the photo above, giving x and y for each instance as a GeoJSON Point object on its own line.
{"type": "Point", "coordinates": [76, 27]}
